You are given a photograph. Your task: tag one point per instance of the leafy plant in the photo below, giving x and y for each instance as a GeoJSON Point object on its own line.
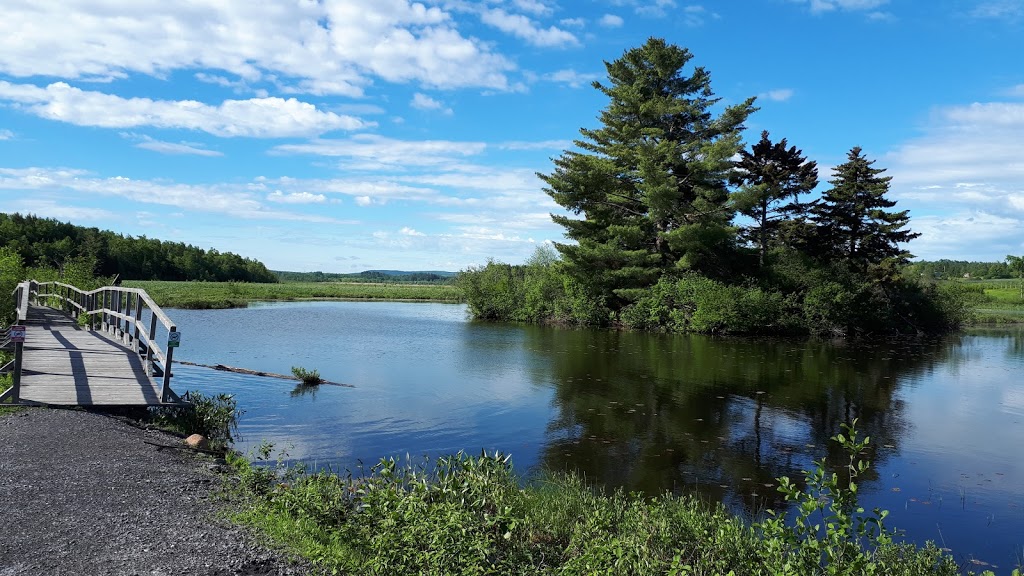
{"type": "Point", "coordinates": [308, 377]}
{"type": "Point", "coordinates": [215, 417]}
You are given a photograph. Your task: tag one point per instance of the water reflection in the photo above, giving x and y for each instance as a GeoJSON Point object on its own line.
{"type": "Point", "coordinates": [722, 417]}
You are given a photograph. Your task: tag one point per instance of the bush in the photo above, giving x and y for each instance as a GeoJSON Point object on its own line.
{"type": "Point", "coordinates": [215, 417]}
{"type": "Point", "coordinates": [308, 377]}
{"type": "Point", "coordinates": [468, 515]}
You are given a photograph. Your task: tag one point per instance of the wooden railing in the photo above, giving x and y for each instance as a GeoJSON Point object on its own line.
{"type": "Point", "coordinates": [119, 312]}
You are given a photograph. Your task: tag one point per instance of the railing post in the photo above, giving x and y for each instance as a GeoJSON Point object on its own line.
{"type": "Point", "coordinates": [138, 319]}
{"type": "Point", "coordinates": [168, 354]}
{"type": "Point", "coordinates": [152, 340]}
{"type": "Point", "coordinates": [16, 376]}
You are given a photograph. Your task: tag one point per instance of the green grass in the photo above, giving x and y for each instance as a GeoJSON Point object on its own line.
{"type": "Point", "coordinates": [5, 384]}
{"type": "Point", "coordinates": [995, 301]}
{"type": "Point", "coordinates": [203, 295]}
{"type": "Point", "coordinates": [470, 515]}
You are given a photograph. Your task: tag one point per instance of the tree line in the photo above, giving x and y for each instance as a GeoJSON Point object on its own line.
{"type": "Point", "coordinates": [47, 243]}
{"type": "Point", "coordinates": [675, 225]}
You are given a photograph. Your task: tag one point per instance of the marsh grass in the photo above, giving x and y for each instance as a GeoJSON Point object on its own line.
{"type": "Point", "coordinates": [466, 514]}
{"type": "Point", "coordinates": [207, 295]}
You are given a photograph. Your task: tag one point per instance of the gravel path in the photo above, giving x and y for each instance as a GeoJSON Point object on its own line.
{"type": "Point", "coordinates": [83, 494]}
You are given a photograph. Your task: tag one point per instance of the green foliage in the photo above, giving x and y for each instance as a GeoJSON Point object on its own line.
{"type": "Point", "coordinates": [770, 174]}
{"type": "Point", "coordinates": [12, 271]}
{"type": "Point", "coordinates": [469, 515]}
{"type": "Point", "coordinates": [308, 377]}
{"type": "Point", "coordinates": [651, 182]}
{"type": "Point", "coordinates": [853, 225]}
{"type": "Point", "coordinates": [215, 417]}
{"type": "Point", "coordinates": [205, 295]}
{"type": "Point", "coordinates": [1016, 265]}
{"type": "Point", "coordinates": [78, 251]}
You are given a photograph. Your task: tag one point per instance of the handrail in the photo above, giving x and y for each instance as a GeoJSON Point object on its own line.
{"type": "Point", "coordinates": [119, 312]}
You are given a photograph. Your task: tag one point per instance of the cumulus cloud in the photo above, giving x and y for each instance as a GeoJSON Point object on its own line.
{"type": "Point", "coordinates": [999, 10]}
{"type": "Point", "coordinates": [424, 102]}
{"type": "Point", "coordinates": [328, 47]}
{"type": "Point", "coordinates": [255, 117]}
{"type": "Point", "coordinates": [523, 27]}
{"type": "Point", "coordinates": [969, 163]}
{"type": "Point", "coordinates": [6, 134]}
{"type": "Point", "coordinates": [611, 21]}
{"type": "Point", "coordinates": [407, 231]}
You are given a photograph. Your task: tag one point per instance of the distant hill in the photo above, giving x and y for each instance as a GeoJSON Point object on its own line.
{"type": "Point", "coordinates": [397, 276]}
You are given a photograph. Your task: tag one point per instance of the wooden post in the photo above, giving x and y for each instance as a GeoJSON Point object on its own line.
{"type": "Point", "coordinates": [151, 343]}
{"type": "Point", "coordinates": [168, 354]}
{"type": "Point", "coordinates": [16, 375]}
{"type": "Point", "coordinates": [118, 333]}
{"type": "Point", "coordinates": [138, 319]}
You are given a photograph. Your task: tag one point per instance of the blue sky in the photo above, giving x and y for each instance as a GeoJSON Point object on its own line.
{"type": "Point", "coordinates": [344, 135]}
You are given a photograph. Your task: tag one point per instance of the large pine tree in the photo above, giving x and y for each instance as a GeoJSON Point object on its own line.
{"type": "Point", "coordinates": [772, 177]}
{"type": "Point", "coordinates": [853, 221]}
{"type": "Point", "coordinates": [651, 184]}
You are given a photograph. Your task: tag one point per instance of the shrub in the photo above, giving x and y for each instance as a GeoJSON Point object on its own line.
{"type": "Point", "coordinates": [215, 417]}
{"type": "Point", "coordinates": [308, 377]}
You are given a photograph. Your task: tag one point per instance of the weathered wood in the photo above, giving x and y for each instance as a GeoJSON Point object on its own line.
{"type": "Point", "coordinates": [69, 365]}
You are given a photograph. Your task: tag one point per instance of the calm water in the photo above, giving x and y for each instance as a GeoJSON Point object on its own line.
{"type": "Point", "coordinates": [723, 417]}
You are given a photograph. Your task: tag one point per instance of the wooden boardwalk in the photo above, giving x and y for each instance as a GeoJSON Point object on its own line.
{"type": "Point", "coordinates": [68, 365]}
{"type": "Point", "coordinates": [113, 361]}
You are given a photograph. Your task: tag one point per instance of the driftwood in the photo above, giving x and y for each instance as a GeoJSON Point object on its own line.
{"type": "Point", "coordinates": [258, 373]}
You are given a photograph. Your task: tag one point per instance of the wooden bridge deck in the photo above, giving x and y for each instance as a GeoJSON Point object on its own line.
{"type": "Point", "coordinates": [67, 365]}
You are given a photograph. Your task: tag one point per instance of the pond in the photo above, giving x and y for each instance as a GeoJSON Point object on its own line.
{"type": "Point", "coordinates": [722, 417]}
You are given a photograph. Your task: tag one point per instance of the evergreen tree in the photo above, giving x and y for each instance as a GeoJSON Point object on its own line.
{"type": "Point", "coordinates": [651, 182]}
{"type": "Point", "coordinates": [770, 174]}
{"type": "Point", "coordinates": [852, 222]}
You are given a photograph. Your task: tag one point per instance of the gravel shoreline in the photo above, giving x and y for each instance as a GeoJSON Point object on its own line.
{"type": "Point", "coordinates": [86, 495]}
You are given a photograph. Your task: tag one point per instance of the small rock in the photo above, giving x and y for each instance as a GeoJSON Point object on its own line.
{"type": "Point", "coordinates": [197, 441]}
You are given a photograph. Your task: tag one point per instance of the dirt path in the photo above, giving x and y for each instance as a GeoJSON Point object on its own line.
{"type": "Point", "coordinates": [83, 494]}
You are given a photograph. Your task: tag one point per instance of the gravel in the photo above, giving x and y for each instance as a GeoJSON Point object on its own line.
{"type": "Point", "coordinates": [84, 494]}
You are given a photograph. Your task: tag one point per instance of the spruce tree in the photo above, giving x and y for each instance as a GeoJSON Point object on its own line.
{"type": "Point", "coordinates": [770, 174]}
{"type": "Point", "coordinates": [852, 221]}
{"type": "Point", "coordinates": [651, 184]}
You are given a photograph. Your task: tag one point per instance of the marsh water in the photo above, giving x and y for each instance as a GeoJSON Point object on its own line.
{"type": "Point", "coordinates": [721, 417]}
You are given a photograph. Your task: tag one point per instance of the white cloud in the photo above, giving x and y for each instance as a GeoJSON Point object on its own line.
{"type": "Point", "coordinates": [968, 163]}
{"type": "Point", "coordinates": [256, 117]}
{"type": "Point", "coordinates": [410, 232]}
{"type": "Point", "coordinates": [999, 10]}
{"type": "Point", "coordinates": [778, 95]}
{"type": "Point", "coordinates": [522, 27]}
{"type": "Point", "coordinates": [820, 6]}
{"type": "Point", "coordinates": [571, 77]}
{"type": "Point", "coordinates": [363, 200]}
{"type": "Point", "coordinates": [177, 148]}
{"type": "Point", "coordinates": [372, 152]}
{"type": "Point", "coordinates": [573, 22]}
{"type": "Point", "coordinates": [328, 47]}
{"type": "Point", "coordinates": [424, 102]}
{"type": "Point", "coordinates": [611, 21]}
{"type": "Point", "coordinates": [695, 15]}
{"type": "Point", "coordinates": [533, 7]}
{"type": "Point", "coordinates": [47, 208]}
{"type": "Point", "coordinates": [296, 198]}
{"type": "Point", "coordinates": [230, 199]}
{"type": "Point", "coordinates": [6, 135]}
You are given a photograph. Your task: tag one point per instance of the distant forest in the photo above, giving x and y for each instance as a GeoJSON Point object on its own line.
{"type": "Point", "coordinates": [374, 276]}
{"type": "Point", "coordinates": [49, 243]}
{"type": "Point", "coordinates": [949, 269]}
